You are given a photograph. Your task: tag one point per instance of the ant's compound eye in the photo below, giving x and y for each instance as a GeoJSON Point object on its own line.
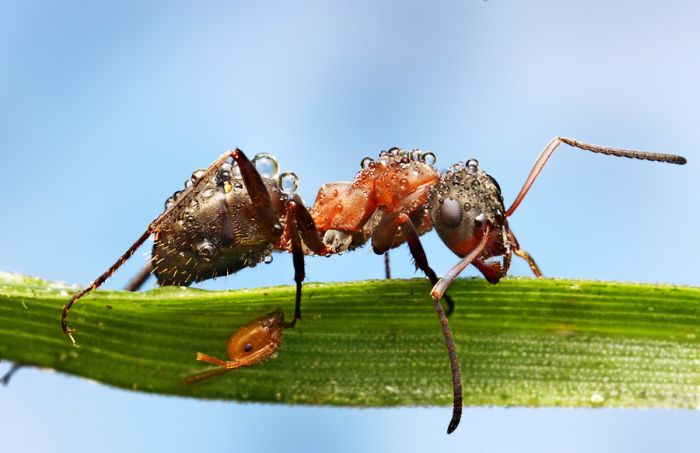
{"type": "Point", "coordinates": [248, 347]}
{"type": "Point", "coordinates": [451, 213]}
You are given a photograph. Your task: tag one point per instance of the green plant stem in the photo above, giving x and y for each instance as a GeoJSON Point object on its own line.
{"type": "Point", "coordinates": [523, 342]}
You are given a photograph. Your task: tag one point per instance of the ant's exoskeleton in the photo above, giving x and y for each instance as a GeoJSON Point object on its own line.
{"type": "Point", "coordinates": [230, 217]}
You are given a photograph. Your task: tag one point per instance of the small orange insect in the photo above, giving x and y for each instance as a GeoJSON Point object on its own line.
{"type": "Point", "coordinates": [250, 344]}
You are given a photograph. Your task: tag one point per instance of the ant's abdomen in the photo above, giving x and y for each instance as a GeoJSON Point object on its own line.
{"type": "Point", "coordinates": [217, 234]}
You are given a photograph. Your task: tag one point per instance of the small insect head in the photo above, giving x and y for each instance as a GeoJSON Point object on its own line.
{"type": "Point", "coordinates": [463, 199]}
{"type": "Point", "coordinates": [261, 334]}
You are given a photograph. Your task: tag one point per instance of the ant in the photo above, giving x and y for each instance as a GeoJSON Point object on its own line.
{"type": "Point", "coordinates": [229, 217]}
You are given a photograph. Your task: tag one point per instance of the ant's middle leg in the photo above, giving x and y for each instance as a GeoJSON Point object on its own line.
{"type": "Point", "coordinates": [382, 240]}
{"type": "Point", "coordinates": [302, 231]}
{"type": "Point", "coordinates": [387, 266]}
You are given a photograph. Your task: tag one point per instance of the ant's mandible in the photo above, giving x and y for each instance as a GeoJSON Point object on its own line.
{"type": "Point", "coordinates": [230, 217]}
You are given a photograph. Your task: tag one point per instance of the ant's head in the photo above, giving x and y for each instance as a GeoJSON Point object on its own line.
{"type": "Point", "coordinates": [261, 334]}
{"type": "Point", "coordinates": [464, 199]}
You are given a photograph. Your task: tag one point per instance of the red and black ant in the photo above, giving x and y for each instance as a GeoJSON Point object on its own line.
{"type": "Point", "coordinates": [230, 217]}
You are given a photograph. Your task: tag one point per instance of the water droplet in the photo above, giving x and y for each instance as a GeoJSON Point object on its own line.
{"type": "Point", "coordinates": [288, 182]}
{"type": "Point", "coordinates": [176, 195]}
{"type": "Point", "coordinates": [267, 259]}
{"type": "Point", "coordinates": [224, 174]}
{"type": "Point", "coordinates": [237, 185]}
{"type": "Point", "coordinates": [266, 164]}
{"type": "Point", "coordinates": [338, 208]}
{"type": "Point", "coordinates": [472, 166]}
{"type": "Point", "coordinates": [429, 158]}
{"type": "Point", "coordinates": [208, 193]}
{"type": "Point", "coordinates": [459, 166]}
{"type": "Point", "coordinates": [169, 202]}
{"type": "Point", "coordinates": [405, 160]}
{"type": "Point", "coordinates": [236, 171]}
{"type": "Point", "coordinates": [416, 155]}
{"type": "Point", "coordinates": [188, 184]}
{"type": "Point", "coordinates": [467, 207]}
{"type": "Point", "coordinates": [366, 162]}
{"type": "Point", "coordinates": [403, 183]}
{"type": "Point", "coordinates": [197, 174]}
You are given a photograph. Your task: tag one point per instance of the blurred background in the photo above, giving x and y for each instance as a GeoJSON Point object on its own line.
{"type": "Point", "coordinates": [107, 107]}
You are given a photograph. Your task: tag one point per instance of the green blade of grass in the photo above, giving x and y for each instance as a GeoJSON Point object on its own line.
{"type": "Point", "coordinates": [523, 342]}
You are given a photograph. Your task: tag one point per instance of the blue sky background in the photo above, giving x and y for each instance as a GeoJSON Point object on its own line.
{"type": "Point", "coordinates": [107, 107]}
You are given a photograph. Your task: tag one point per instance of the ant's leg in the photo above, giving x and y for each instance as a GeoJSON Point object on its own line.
{"type": "Point", "coordinates": [418, 253]}
{"type": "Point", "coordinates": [421, 261]}
{"type": "Point", "coordinates": [98, 282]}
{"type": "Point", "coordinates": [556, 141]}
{"type": "Point", "coordinates": [437, 292]}
{"type": "Point", "coordinates": [383, 237]}
{"type": "Point", "coordinates": [523, 254]}
{"type": "Point", "coordinates": [269, 220]}
{"type": "Point", "coordinates": [483, 232]}
{"type": "Point", "coordinates": [139, 279]}
{"type": "Point", "coordinates": [387, 266]}
{"type": "Point", "coordinates": [5, 379]}
{"type": "Point", "coordinates": [184, 199]}
{"type": "Point", "coordinates": [302, 230]}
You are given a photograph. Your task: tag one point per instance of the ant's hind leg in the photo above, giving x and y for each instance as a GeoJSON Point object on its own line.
{"type": "Point", "coordinates": [139, 279]}
{"type": "Point", "coordinates": [5, 379]}
{"type": "Point", "coordinates": [184, 199]}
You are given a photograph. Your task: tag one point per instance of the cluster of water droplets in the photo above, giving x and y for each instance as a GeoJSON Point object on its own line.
{"type": "Point", "coordinates": [472, 167]}
{"type": "Point", "coordinates": [267, 167]}
{"type": "Point", "coordinates": [406, 156]}
{"type": "Point", "coordinates": [229, 177]}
